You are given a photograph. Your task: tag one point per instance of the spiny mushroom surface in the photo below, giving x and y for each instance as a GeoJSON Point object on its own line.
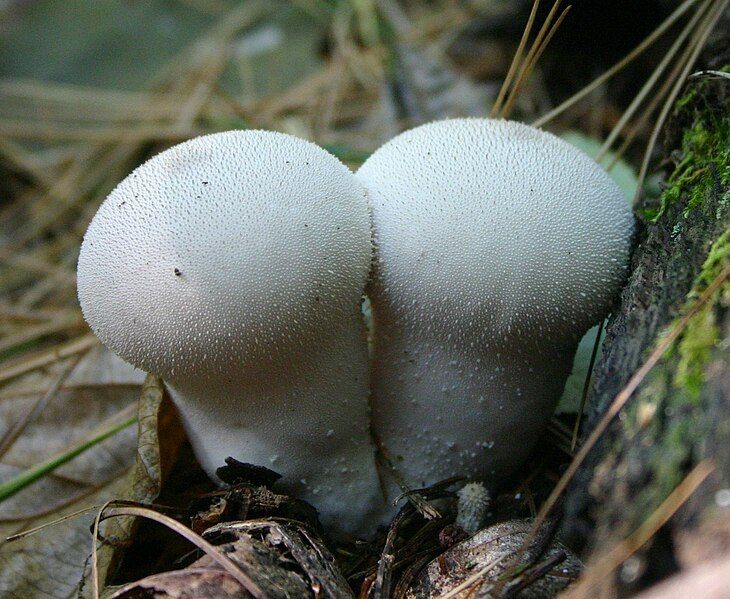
{"type": "Point", "coordinates": [233, 265]}
{"type": "Point", "coordinates": [471, 508]}
{"type": "Point", "coordinates": [497, 246]}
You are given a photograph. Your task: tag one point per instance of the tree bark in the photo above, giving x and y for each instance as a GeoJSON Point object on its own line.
{"type": "Point", "coordinates": [680, 415]}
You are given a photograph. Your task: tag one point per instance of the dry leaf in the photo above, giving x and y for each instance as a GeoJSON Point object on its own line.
{"type": "Point", "coordinates": [283, 559]}
{"type": "Point", "coordinates": [160, 436]}
{"type": "Point", "coordinates": [50, 562]}
{"type": "Point", "coordinates": [499, 542]}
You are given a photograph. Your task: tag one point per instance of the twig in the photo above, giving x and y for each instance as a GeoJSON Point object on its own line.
{"type": "Point", "coordinates": [710, 74]}
{"type": "Point", "coordinates": [31, 531]}
{"type": "Point", "coordinates": [92, 508]}
{"type": "Point", "coordinates": [419, 503]}
{"type": "Point", "coordinates": [536, 543]}
{"type": "Point", "coordinates": [640, 123]}
{"type": "Point", "coordinates": [381, 587]}
{"type": "Point", "coordinates": [31, 517]}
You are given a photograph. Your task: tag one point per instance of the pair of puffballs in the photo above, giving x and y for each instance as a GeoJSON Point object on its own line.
{"type": "Point", "coordinates": [234, 265]}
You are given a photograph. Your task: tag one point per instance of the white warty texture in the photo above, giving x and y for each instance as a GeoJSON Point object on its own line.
{"type": "Point", "coordinates": [497, 246]}
{"type": "Point", "coordinates": [471, 508]}
{"type": "Point", "coordinates": [233, 265]}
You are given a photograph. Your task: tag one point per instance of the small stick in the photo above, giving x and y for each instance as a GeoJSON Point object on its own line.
{"type": "Point", "coordinates": [381, 588]}
{"type": "Point", "coordinates": [417, 500]}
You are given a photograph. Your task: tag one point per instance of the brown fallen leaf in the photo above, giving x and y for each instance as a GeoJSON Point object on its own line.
{"type": "Point", "coordinates": [191, 583]}
{"type": "Point", "coordinates": [160, 437]}
{"type": "Point", "coordinates": [472, 567]}
{"type": "Point", "coordinates": [50, 562]}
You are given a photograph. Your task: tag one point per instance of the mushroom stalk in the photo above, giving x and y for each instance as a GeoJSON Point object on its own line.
{"type": "Point", "coordinates": [276, 418]}
{"type": "Point", "coordinates": [457, 404]}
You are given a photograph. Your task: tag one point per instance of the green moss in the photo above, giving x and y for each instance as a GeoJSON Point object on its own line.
{"type": "Point", "coordinates": [695, 349]}
{"type": "Point", "coordinates": [717, 258]}
{"type": "Point", "coordinates": [668, 437]}
{"type": "Point", "coordinates": [704, 159]}
{"type": "Point", "coordinates": [667, 444]}
{"type": "Point", "coordinates": [702, 333]}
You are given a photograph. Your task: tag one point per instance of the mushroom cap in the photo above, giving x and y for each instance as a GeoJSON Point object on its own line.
{"type": "Point", "coordinates": [235, 248]}
{"type": "Point", "coordinates": [494, 228]}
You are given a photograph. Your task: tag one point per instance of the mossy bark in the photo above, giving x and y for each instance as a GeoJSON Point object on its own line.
{"type": "Point", "coordinates": [680, 415]}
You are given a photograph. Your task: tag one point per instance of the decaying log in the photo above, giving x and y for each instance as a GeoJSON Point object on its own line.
{"type": "Point", "coordinates": [680, 415]}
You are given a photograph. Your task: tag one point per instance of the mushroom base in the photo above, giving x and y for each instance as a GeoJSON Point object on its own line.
{"type": "Point", "coordinates": [443, 412]}
{"type": "Point", "coordinates": [308, 421]}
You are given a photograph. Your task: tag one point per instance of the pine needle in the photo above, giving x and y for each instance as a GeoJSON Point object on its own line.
{"type": "Point", "coordinates": [608, 562]}
{"type": "Point", "coordinates": [212, 551]}
{"type": "Point", "coordinates": [24, 365]}
{"type": "Point", "coordinates": [474, 578]}
{"type": "Point", "coordinates": [516, 61]}
{"type": "Point", "coordinates": [17, 429]}
{"type": "Point", "coordinates": [651, 81]}
{"type": "Point", "coordinates": [543, 38]}
{"type": "Point", "coordinates": [696, 44]}
{"type": "Point", "coordinates": [619, 66]}
{"type": "Point", "coordinates": [586, 387]}
{"type": "Point", "coordinates": [110, 428]}
{"type": "Point", "coordinates": [623, 396]}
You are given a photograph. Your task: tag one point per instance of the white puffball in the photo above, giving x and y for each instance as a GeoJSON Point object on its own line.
{"type": "Point", "coordinates": [233, 265]}
{"type": "Point", "coordinates": [497, 246]}
{"type": "Point", "coordinates": [497, 227]}
{"type": "Point", "coordinates": [228, 248]}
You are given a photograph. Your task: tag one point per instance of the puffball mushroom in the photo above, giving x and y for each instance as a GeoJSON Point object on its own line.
{"type": "Point", "coordinates": [497, 246]}
{"type": "Point", "coordinates": [233, 265]}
